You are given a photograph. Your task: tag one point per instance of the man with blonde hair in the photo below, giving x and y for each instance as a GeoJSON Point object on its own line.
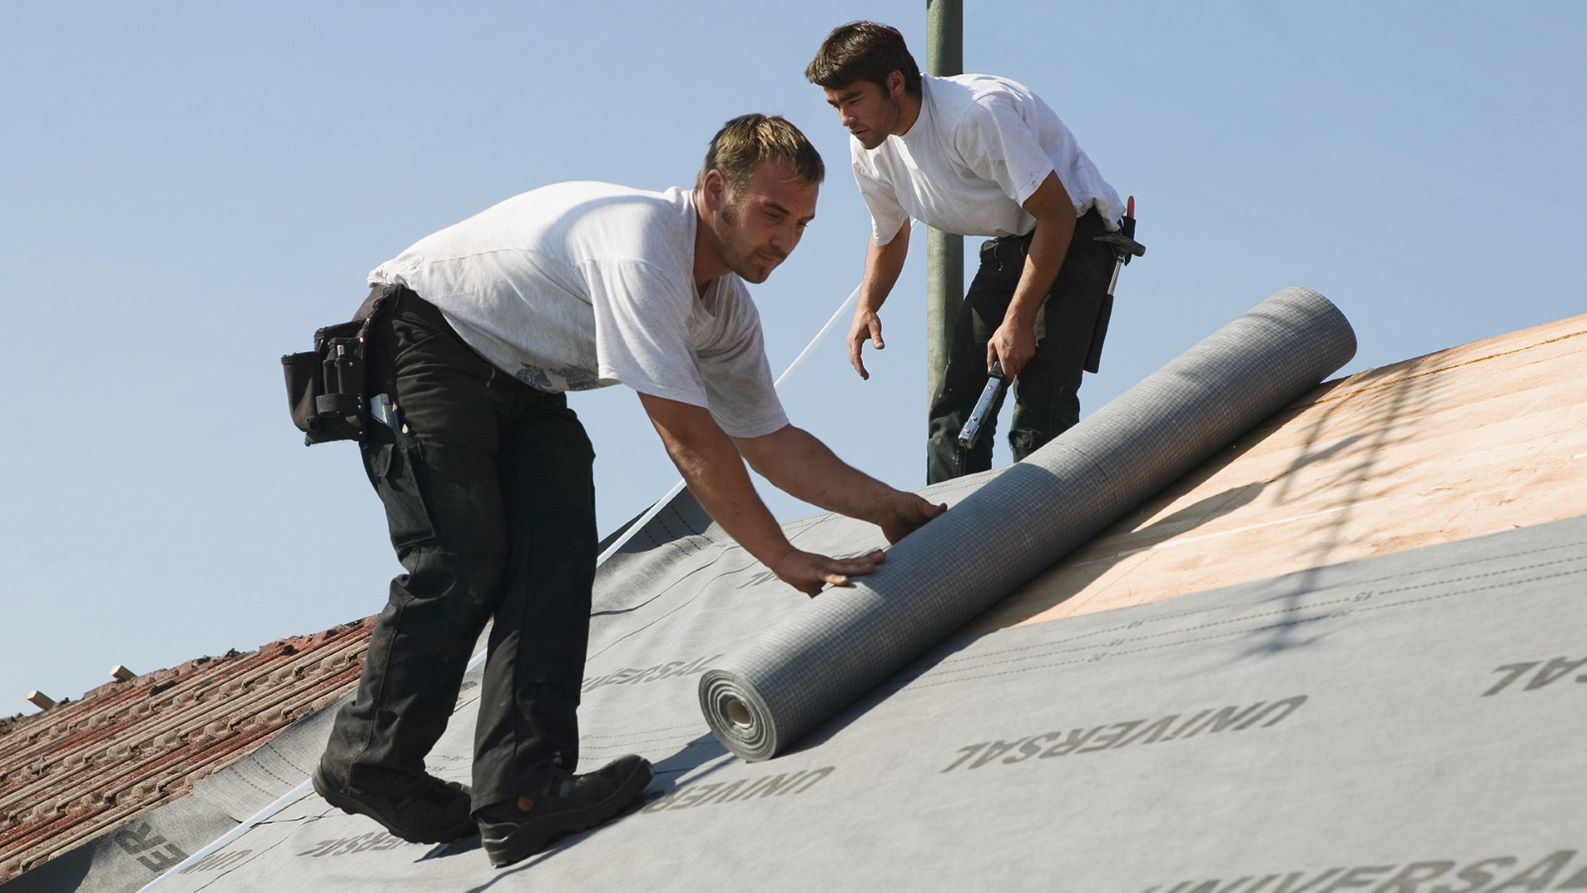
{"type": "Point", "coordinates": [486, 474]}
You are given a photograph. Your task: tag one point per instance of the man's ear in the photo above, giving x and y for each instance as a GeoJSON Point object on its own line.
{"type": "Point", "coordinates": [714, 189]}
{"type": "Point", "coordinates": [895, 84]}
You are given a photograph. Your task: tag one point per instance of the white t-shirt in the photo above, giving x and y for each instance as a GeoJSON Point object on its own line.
{"type": "Point", "coordinates": [583, 285]}
{"type": "Point", "coordinates": [979, 148]}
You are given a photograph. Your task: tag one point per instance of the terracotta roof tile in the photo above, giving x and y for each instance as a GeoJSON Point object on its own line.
{"type": "Point", "coordinates": [83, 768]}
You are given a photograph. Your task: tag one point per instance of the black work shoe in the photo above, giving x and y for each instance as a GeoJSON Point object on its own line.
{"type": "Point", "coordinates": [563, 804]}
{"type": "Point", "coordinates": [423, 810]}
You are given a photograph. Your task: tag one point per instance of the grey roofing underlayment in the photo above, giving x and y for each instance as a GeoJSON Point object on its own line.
{"type": "Point", "coordinates": [769, 692]}
{"type": "Point", "coordinates": [1411, 722]}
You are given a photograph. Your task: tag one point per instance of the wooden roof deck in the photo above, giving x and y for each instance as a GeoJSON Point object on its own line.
{"type": "Point", "coordinates": [1457, 444]}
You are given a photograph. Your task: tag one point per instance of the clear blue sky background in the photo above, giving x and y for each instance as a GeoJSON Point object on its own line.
{"type": "Point", "coordinates": [187, 190]}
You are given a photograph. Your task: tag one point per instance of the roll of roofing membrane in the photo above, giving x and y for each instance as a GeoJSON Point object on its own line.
{"type": "Point", "coordinates": [761, 699]}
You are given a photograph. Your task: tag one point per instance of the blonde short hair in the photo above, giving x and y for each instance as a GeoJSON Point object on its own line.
{"type": "Point", "coordinates": [748, 140]}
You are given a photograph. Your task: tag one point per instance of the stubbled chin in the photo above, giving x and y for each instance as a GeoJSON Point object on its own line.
{"type": "Point", "coordinates": [754, 273]}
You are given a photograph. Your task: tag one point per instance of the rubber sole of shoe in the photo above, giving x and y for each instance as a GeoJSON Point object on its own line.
{"type": "Point", "coordinates": [531, 837]}
{"type": "Point", "coordinates": [353, 806]}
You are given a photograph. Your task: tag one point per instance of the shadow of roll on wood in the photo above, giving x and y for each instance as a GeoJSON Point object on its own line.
{"type": "Point", "coordinates": [761, 699]}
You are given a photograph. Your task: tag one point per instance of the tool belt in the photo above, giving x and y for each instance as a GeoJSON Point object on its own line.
{"type": "Point", "coordinates": [326, 390]}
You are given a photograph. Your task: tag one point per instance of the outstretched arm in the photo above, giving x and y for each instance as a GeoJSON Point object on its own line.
{"type": "Point", "coordinates": [711, 466]}
{"type": "Point", "coordinates": [883, 263]}
{"type": "Point", "coordinates": [804, 467]}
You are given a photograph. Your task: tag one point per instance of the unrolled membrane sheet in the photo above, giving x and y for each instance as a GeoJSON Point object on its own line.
{"type": "Point", "coordinates": [1406, 723]}
{"type": "Point", "coordinates": [761, 699]}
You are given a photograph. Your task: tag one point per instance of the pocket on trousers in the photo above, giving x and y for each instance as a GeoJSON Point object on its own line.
{"type": "Point", "coordinates": [394, 470]}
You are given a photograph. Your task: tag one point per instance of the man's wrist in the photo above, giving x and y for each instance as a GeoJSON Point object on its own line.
{"type": "Point", "coordinates": [1021, 312]}
{"type": "Point", "coordinates": [777, 561]}
{"type": "Point", "coordinates": [883, 505]}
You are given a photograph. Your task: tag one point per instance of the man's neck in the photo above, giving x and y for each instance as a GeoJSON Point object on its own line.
{"type": "Point", "coordinates": [708, 263]}
{"type": "Point", "coordinates": [909, 110]}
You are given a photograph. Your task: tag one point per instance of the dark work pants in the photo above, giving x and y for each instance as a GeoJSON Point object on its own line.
{"type": "Point", "coordinates": [1047, 392]}
{"type": "Point", "coordinates": [490, 502]}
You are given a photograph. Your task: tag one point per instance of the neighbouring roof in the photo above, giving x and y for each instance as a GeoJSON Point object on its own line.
{"type": "Point", "coordinates": [71, 773]}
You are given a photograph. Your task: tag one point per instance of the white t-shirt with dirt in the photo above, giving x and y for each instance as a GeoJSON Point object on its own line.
{"type": "Point", "coordinates": [978, 150]}
{"type": "Point", "coordinates": [583, 285]}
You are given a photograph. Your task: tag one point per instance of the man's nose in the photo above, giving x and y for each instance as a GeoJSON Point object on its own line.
{"type": "Point", "coordinates": [784, 237]}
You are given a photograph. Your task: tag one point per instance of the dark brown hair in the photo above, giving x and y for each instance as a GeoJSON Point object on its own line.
{"type": "Point", "coordinates": [748, 140]}
{"type": "Point", "coordinates": [863, 51]}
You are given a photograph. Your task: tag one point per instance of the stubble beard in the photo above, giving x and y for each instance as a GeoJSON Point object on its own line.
{"type": "Point", "coordinates": [879, 136]}
{"type": "Point", "coordinates": [741, 260]}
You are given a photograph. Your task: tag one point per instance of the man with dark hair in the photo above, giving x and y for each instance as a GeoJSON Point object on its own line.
{"type": "Point", "coordinates": [486, 474]}
{"type": "Point", "coordinates": [976, 155]}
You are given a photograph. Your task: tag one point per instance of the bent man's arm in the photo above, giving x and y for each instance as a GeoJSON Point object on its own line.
{"type": "Point", "coordinates": [804, 467]}
{"type": "Point", "coordinates": [1014, 342]}
{"type": "Point", "coordinates": [711, 466]}
{"type": "Point", "coordinates": [883, 263]}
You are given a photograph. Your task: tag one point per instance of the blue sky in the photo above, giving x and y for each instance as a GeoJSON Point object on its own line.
{"type": "Point", "coordinates": [187, 190]}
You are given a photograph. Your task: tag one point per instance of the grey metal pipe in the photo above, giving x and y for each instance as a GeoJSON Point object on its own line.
{"type": "Point", "coordinates": [762, 698]}
{"type": "Point", "coordinates": [944, 252]}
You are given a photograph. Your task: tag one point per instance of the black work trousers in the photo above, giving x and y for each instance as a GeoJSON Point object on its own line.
{"type": "Point", "coordinates": [1047, 392]}
{"type": "Point", "coordinates": [490, 500]}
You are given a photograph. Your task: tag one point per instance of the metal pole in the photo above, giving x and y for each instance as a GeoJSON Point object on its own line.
{"type": "Point", "coordinates": [944, 252]}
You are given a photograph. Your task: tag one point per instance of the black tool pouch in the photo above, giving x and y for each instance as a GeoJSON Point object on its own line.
{"type": "Point", "coordinates": [1099, 334]}
{"type": "Point", "coordinates": [326, 390]}
{"type": "Point", "coordinates": [1123, 246]}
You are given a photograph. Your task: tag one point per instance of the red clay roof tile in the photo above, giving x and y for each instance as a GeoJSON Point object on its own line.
{"type": "Point", "coordinates": [129, 746]}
